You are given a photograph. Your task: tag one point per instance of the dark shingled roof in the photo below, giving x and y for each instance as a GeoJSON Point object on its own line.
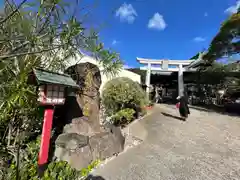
{"type": "Point", "coordinates": [48, 77]}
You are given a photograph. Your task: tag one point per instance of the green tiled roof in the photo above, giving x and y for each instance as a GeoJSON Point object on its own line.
{"type": "Point", "coordinates": [47, 77]}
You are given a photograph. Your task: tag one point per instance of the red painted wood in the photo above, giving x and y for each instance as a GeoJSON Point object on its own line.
{"type": "Point", "coordinates": [46, 135]}
{"type": "Point", "coordinates": [148, 107]}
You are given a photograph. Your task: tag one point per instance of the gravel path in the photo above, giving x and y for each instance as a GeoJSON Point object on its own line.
{"type": "Point", "coordinates": [205, 147]}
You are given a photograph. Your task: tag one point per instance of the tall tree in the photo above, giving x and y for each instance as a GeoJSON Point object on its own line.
{"type": "Point", "coordinates": [227, 41]}
{"type": "Point", "coordinates": [43, 33]}
{"type": "Point", "coordinates": [195, 56]}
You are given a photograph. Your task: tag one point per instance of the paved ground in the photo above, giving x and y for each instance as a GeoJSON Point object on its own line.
{"type": "Point", "coordinates": [206, 146]}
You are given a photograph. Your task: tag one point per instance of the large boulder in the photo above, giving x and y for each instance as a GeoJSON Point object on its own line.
{"type": "Point", "coordinates": [84, 139]}
{"type": "Point", "coordinates": [79, 150]}
{"type": "Point", "coordinates": [78, 159]}
{"type": "Point", "coordinates": [72, 141]}
{"type": "Point", "coordinates": [74, 149]}
{"type": "Point", "coordinates": [79, 73]}
{"type": "Point", "coordinates": [116, 133]}
{"type": "Point", "coordinates": [81, 126]}
{"type": "Point", "coordinates": [107, 144]}
{"type": "Point", "coordinates": [88, 77]}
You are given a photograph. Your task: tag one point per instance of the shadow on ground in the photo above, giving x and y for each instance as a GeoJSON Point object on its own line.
{"type": "Point", "coordinates": [91, 177]}
{"type": "Point", "coordinates": [228, 109]}
{"type": "Point", "coordinates": [172, 116]}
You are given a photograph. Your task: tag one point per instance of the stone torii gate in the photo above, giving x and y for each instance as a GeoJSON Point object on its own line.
{"type": "Point", "coordinates": [163, 66]}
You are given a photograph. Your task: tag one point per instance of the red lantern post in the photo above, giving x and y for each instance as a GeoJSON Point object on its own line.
{"type": "Point", "coordinates": [51, 92]}
{"type": "Point", "coordinates": [46, 135]}
{"type": "Point", "coordinates": [49, 96]}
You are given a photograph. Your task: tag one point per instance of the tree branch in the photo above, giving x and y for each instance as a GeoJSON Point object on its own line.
{"type": "Point", "coordinates": [20, 46]}
{"type": "Point", "coordinates": [28, 53]}
{"type": "Point", "coordinates": [13, 12]}
{"type": "Point", "coordinates": [47, 19]}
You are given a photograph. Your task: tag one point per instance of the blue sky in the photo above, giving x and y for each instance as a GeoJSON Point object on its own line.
{"type": "Point", "coordinates": [159, 29]}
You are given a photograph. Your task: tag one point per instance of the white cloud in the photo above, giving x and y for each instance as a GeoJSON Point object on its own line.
{"type": "Point", "coordinates": [127, 66]}
{"type": "Point", "coordinates": [126, 13]}
{"type": "Point", "coordinates": [157, 22]}
{"type": "Point", "coordinates": [199, 39]}
{"type": "Point", "coordinates": [114, 42]}
{"type": "Point", "coordinates": [233, 9]}
{"type": "Point", "coordinates": [206, 14]}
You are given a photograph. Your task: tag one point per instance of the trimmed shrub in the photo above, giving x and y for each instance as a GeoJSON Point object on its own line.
{"type": "Point", "coordinates": [119, 96]}
{"type": "Point", "coordinates": [123, 116]}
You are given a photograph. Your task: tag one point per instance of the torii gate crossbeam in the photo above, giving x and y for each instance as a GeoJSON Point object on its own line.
{"type": "Point", "coordinates": [181, 66]}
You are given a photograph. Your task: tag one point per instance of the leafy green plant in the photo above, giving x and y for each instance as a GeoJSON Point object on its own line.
{"type": "Point", "coordinates": [123, 116]}
{"type": "Point", "coordinates": [40, 34]}
{"type": "Point", "coordinates": [56, 170]}
{"type": "Point", "coordinates": [122, 94]}
{"type": "Point", "coordinates": [226, 42]}
{"type": "Point", "coordinates": [85, 171]}
{"type": "Point", "coordinates": [150, 103]}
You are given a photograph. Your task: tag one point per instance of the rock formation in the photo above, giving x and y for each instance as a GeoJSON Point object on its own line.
{"type": "Point", "coordinates": [83, 138]}
{"type": "Point", "coordinates": [88, 77]}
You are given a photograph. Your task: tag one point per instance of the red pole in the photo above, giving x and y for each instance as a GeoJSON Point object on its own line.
{"type": "Point", "coordinates": [46, 135]}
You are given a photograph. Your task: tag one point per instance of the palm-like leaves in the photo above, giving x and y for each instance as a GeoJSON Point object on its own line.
{"type": "Point", "coordinates": [227, 41]}
{"type": "Point", "coordinates": [41, 34]}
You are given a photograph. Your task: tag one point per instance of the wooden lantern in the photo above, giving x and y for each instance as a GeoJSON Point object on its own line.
{"type": "Point", "coordinates": [51, 91]}
{"type": "Point", "coordinates": [50, 94]}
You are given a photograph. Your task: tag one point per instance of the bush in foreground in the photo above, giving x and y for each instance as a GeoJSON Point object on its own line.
{"type": "Point", "coordinates": [27, 169]}
{"type": "Point", "coordinates": [123, 100]}
{"type": "Point", "coordinates": [123, 116]}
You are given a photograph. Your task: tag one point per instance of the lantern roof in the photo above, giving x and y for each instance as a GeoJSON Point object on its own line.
{"type": "Point", "coordinates": [49, 77]}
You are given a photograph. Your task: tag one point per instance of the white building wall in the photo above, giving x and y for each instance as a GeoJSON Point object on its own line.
{"type": "Point", "coordinates": [104, 77]}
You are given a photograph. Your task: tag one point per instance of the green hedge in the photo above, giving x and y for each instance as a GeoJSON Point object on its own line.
{"type": "Point", "coordinates": [123, 99]}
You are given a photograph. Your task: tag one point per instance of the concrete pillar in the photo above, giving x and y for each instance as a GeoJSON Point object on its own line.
{"type": "Point", "coordinates": [180, 81]}
{"type": "Point", "coordinates": [164, 92]}
{"type": "Point", "coordinates": [148, 79]}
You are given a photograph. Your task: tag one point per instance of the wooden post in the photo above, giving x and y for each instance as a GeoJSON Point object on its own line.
{"type": "Point", "coordinates": [46, 135]}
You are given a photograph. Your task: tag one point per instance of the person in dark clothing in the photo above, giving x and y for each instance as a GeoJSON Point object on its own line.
{"type": "Point", "coordinates": [183, 107]}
